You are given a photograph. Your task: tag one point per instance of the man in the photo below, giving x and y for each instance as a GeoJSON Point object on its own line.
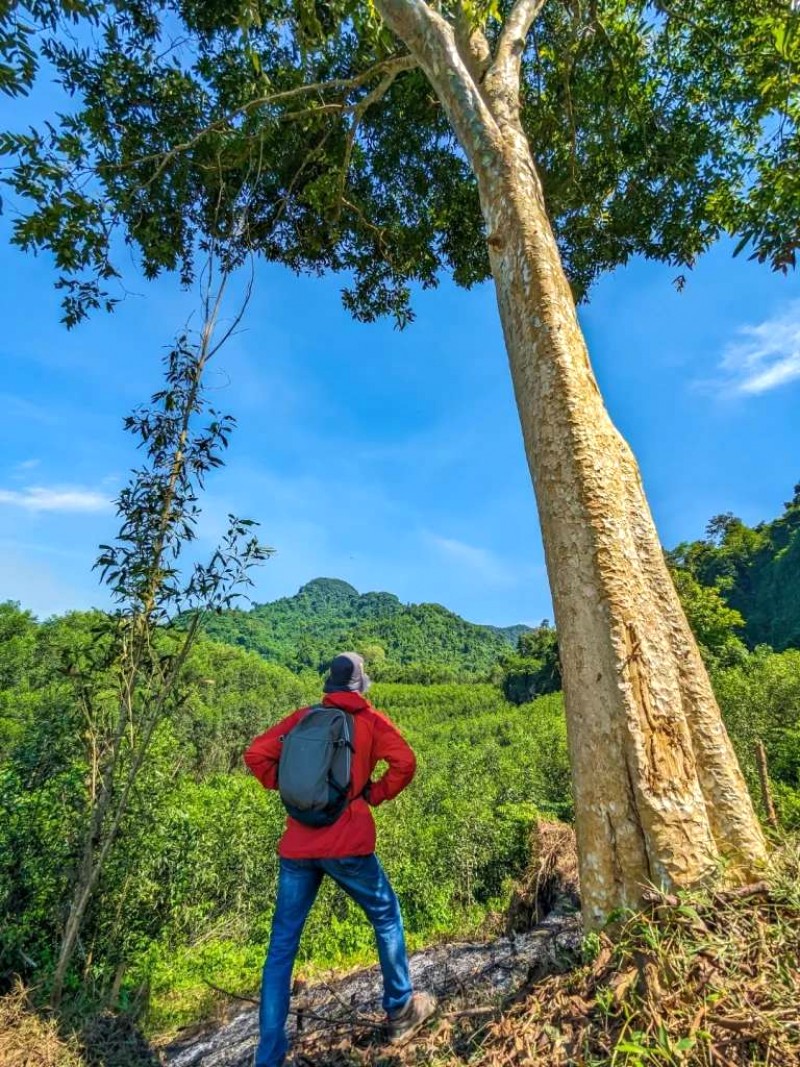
{"type": "Point", "coordinates": [345, 851]}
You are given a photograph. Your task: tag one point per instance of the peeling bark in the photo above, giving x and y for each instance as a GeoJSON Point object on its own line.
{"type": "Point", "coordinates": [659, 797]}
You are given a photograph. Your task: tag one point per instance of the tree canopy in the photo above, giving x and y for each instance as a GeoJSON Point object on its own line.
{"type": "Point", "coordinates": [305, 132]}
{"type": "Point", "coordinates": [756, 569]}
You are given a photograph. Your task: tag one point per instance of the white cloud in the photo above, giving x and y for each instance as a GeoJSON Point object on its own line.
{"type": "Point", "coordinates": [21, 472]}
{"type": "Point", "coordinates": [480, 561]}
{"type": "Point", "coordinates": [765, 356]}
{"type": "Point", "coordinates": [54, 498]}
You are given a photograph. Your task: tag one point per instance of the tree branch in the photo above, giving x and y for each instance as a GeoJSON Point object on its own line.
{"type": "Point", "coordinates": [283, 203]}
{"type": "Point", "coordinates": [360, 110]}
{"type": "Point", "coordinates": [472, 44]}
{"type": "Point", "coordinates": [502, 79]}
{"type": "Point", "coordinates": [515, 32]}
{"type": "Point", "coordinates": [432, 40]}
{"type": "Point", "coordinates": [394, 64]}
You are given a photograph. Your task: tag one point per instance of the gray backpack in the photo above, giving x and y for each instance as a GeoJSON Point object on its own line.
{"type": "Point", "coordinates": [314, 766]}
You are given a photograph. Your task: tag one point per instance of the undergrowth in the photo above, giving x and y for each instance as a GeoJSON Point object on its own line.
{"type": "Point", "coordinates": [709, 980]}
{"type": "Point", "coordinates": [706, 979]}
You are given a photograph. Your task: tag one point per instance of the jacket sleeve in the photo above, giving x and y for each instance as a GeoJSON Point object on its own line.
{"type": "Point", "coordinates": [263, 754]}
{"type": "Point", "coordinates": [389, 744]}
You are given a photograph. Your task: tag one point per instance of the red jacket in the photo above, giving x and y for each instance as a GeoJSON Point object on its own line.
{"type": "Point", "coordinates": [376, 739]}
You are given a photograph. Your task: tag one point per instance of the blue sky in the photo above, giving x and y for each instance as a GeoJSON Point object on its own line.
{"type": "Point", "coordinates": [392, 460]}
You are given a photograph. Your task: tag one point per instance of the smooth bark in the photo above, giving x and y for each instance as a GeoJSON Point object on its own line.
{"type": "Point", "coordinates": [659, 797]}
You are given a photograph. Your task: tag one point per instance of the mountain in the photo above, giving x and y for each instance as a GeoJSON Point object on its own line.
{"type": "Point", "coordinates": [511, 634]}
{"type": "Point", "coordinates": [328, 615]}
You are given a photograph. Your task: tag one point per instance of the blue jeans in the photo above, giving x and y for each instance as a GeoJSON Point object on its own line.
{"type": "Point", "coordinates": [363, 879]}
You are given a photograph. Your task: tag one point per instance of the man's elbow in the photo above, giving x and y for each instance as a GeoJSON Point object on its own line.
{"type": "Point", "coordinates": [259, 766]}
{"type": "Point", "coordinates": [407, 768]}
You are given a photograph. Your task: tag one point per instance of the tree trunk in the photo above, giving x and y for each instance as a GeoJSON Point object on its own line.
{"type": "Point", "coordinates": [82, 894]}
{"type": "Point", "coordinates": [659, 797]}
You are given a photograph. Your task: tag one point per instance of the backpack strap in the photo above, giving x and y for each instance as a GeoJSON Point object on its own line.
{"type": "Point", "coordinates": [306, 712]}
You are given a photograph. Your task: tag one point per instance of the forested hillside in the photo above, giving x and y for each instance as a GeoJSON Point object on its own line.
{"type": "Point", "coordinates": [740, 587]}
{"type": "Point", "coordinates": [327, 614]}
{"type": "Point", "coordinates": [187, 897]}
{"type": "Point", "coordinates": [756, 569]}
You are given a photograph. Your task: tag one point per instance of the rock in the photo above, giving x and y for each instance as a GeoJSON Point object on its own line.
{"type": "Point", "coordinates": [462, 973]}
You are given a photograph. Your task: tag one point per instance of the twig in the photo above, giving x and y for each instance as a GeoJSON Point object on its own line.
{"type": "Point", "coordinates": [332, 1024]}
{"type": "Point", "coordinates": [487, 1010]}
{"type": "Point", "coordinates": [349, 1008]}
{"type": "Point", "coordinates": [766, 791]}
{"type": "Point", "coordinates": [394, 63]}
{"type": "Point", "coordinates": [755, 889]}
{"type": "Point", "coordinates": [359, 110]}
{"type": "Point", "coordinates": [227, 992]}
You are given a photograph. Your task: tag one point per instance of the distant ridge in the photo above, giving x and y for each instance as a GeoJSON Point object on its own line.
{"type": "Point", "coordinates": [328, 614]}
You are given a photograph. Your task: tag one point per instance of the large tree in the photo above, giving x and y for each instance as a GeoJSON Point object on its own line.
{"type": "Point", "coordinates": [538, 142]}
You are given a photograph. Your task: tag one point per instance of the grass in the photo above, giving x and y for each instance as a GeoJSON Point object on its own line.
{"type": "Point", "coordinates": [29, 1040]}
{"type": "Point", "coordinates": [31, 1037]}
{"type": "Point", "coordinates": [704, 980]}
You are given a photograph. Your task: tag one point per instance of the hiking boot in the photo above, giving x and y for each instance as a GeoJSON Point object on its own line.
{"type": "Point", "coordinates": [402, 1026]}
